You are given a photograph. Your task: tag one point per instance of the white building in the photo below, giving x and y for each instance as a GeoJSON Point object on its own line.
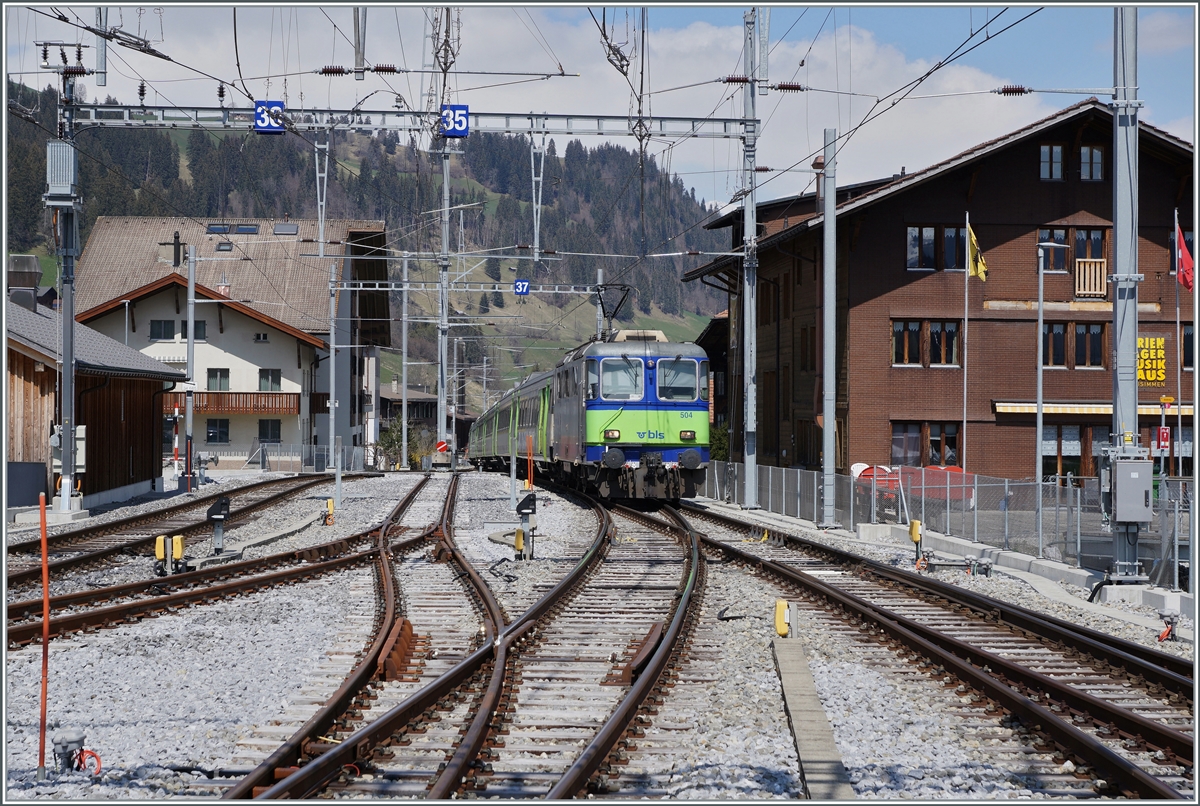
{"type": "Point", "coordinates": [254, 375]}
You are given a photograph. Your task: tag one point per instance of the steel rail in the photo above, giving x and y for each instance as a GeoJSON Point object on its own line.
{"type": "Point", "coordinates": [1170, 671]}
{"type": "Point", "coordinates": [578, 774]}
{"type": "Point", "coordinates": [34, 572]}
{"type": "Point", "coordinates": [358, 746]}
{"type": "Point", "coordinates": [288, 753]}
{"type": "Point", "coordinates": [62, 540]}
{"type": "Point", "coordinates": [164, 585]}
{"type": "Point", "coordinates": [1133, 780]}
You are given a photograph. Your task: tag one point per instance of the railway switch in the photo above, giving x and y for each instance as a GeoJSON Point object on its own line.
{"type": "Point", "coordinates": [523, 539]}
{"type": "Point", "coordinates": [66, 744]}
{"type": "Point", "coordinates": [329, 512]}
{"type": "Point", "coordinates": [1170, 617]}
{"type": "Point", "coordinates": [914, 534]}
{"type": "Point", "coordinates": [217, 513]}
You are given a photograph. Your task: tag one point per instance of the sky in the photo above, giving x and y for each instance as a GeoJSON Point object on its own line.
{"type": "Point", "coordinates": [871, 51]}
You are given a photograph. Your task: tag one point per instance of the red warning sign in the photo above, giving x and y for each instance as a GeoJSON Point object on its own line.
{"type": "Point", "coordinates": [442, 447]}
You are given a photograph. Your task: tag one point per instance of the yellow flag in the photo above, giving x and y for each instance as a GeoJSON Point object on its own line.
{"type": "Point", "coordinates": [976, 265]}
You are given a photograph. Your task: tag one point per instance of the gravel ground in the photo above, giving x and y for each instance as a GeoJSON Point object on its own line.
{"type": "Point", "coordinates": [1017, 591]}
{"type": "Point", "coordinates": [365, 503]}
{"type": "Point", "coordinates": [180, 689]}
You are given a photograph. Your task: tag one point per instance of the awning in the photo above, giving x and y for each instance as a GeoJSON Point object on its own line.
{"type": "Point", "coordinates": [724, 274]}
{"type": "Point", "coordinates": [1144, 409]}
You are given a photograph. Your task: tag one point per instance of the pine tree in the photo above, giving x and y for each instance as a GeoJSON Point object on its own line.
{"type": "Point", "coordinates": [497, 299]}
{"type": "Point", "coordinates": [483, 303]}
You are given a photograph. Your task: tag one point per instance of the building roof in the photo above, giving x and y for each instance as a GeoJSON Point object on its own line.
{"type": "Point", "coordinates": [95, 353]}
{"type": "Point", "coordinates": [172, 279]}
{"type": "Point", "coordinates": [123, 253]}
{"type": "Point", "coordinates": [730, 265]}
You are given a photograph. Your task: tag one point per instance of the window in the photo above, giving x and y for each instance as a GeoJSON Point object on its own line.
{"type": "Point", "coordinates": [246, 229]}
{"type": "Point", "coordinates": [201, 329]}
{"type": "Point", "coordinates": [1062, 449]}
{"type": "Point", "coordinates": [593, 380]}
{"type": "Point", "coordinates": [286, 228]}
{"type": "Point", "coordinates": [812, 348]}
{"type": "Point", "coordinates": [943, 343]}
{"type": "Point", "coordinates": [954, 248]}
{"type": "Point", "coordinates": [1089, 244]}
{"type": "Point", "coordinates": [1056, 259]}
{"type": "Point", "coordinates": [224, 246]}
{"type": "Point", "coordinates": [1089, 346]}
{"type": "Point", "coordinates": [268, 380]}
{"type": "Point", "coordinates": [704, 380]}
{"type": "Point", "coordinates": [906, 444]}
{"type": "Point", "coordinates": [621, 378]}
{"type": "Point", "coordinates": [260, 337]}
{"type": "Point", "coordinates": [943, 444]}
{"type": "Point", "coordinates": [677, 379]}
{"type": "Point", "coordinates": [803, 349]}
{"type": "Point", "coordinates": [906, 342]}
{"type": "Point", "coordinates": [1051, 162]}
{"type": "Point", "coordinates": [1188, 345]}
{"type": "Point", "coordinates": [922, 248]}
{"type": "Point", "coordinates": [1091, 163]}
{"type": "Point", "coordinates": [1054, 345]}
{"type": "Point", "coordinates": [218, 229]}
{"type": "Point", "coordinates": [218, 380]}
{"type": "Point", "coordinates": [269, 430]}
{"type": "Point", "coordinates": [162, 329]}
{"type": "Point", "coordinates": [217, 432]}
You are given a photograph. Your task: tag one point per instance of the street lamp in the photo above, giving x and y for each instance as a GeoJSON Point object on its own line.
{"type": "Point", "coordinates": [1041, 340]}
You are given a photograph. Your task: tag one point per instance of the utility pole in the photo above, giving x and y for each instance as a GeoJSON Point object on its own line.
{"type": "Point", "coordinates": [191, 363]}
{"type": "Point", "coordinates": [404, 369]}
{"type": "Point", "coordinates": [599, 304]}
{"type": "Point", "coordinates": [321, 163]}
{"type": "Point", "coordinates": [750, 278]}
{"type": "Point", "coordinates": [62, 196]}
{"type": "Point", "coordinates": [1124, 451]}
{"type": "Point", "coordinates": [829, 332]}
{"type": "Point", "coordinates": [444, 295]}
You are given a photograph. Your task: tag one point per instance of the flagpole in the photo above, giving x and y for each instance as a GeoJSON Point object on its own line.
{"type": "Point", "coordinates": [962, 448]}
{"type": "Point", "coordinates": [1179, 353]}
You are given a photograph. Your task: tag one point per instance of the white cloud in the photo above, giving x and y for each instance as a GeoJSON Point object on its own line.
{"type": "Point", "coordinates": [1164, 31]}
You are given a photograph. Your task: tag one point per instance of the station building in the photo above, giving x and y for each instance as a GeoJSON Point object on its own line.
{"type": "Point", "coordinates": [900, 349]}
{"type": "Point", "coordinates": [262, 324]}
{"type": "Point", "coordinates": [117, 390]}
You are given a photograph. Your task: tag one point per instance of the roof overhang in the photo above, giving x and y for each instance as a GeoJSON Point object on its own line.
{"type": "Point", "coordinates": [174, 279]}
{"type": "Point", "coordinates": [1093, 409]}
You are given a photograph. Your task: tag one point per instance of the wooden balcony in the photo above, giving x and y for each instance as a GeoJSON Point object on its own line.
{"type": "Point", "coordinates": [235, 402]}
{"type": "Point", "coordinates": [1091, 278]}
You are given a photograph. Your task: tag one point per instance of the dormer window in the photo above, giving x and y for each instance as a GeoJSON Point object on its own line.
{"type": "Point", "coordinates": [1051, 162]}
{"type": "Point", "coordinates": [224, 246]}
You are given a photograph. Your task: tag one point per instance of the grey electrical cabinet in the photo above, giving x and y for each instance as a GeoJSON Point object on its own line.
{"type": "Point", "coordinates": [1133, 490]}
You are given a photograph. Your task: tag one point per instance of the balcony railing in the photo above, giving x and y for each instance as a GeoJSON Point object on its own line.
{"type": "Point", "coordinates": [235, 402]}
{"type": "Point", "coordinates": [1091, 278]}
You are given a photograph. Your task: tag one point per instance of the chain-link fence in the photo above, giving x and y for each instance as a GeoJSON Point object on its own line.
{"type": "Point", "coordinates": [1069, 526]}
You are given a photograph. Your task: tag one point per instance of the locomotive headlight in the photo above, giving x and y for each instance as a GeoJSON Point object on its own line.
{"type": "Point", "coordinates": [612, 433]}
{"type": "Point", "coordinates": [687, 434]}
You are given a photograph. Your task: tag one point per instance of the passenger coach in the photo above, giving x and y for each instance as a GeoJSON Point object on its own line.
{"type": "Point", "coordinates": [625, 418]}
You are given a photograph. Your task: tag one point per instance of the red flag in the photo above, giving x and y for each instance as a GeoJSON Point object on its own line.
{"type": "Point", "coordinates": [1184, 267]}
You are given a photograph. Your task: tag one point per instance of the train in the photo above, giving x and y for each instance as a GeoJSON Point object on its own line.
{"type": "Point", "coordinates": [623, 417]}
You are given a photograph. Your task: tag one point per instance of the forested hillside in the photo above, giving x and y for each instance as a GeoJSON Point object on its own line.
{"type": "Point", "coordinates": [592, 196]}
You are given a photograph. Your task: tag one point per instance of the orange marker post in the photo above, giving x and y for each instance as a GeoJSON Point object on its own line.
{"type": "Point", "coordinates": [41, 770]}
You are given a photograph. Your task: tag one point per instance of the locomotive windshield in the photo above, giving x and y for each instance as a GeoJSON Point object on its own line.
{"type": "Point", "coordinates": [621, 378]}
{"type": "Point", "coordinates": [677, 379]}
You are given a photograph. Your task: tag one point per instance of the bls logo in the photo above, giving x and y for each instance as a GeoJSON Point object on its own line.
{"type": "Point", "coordinates": [651, 435]}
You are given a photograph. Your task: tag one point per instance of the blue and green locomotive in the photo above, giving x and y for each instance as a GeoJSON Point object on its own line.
{"type": "Point", "coordinates": [624, 418]}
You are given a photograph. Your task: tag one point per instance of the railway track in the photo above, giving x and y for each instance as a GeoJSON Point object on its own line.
{"type": "Point", "coordinates": [91, 545]}
{"type": "Point", "coordinates": [1123, 710]}
{"type": "Point", "coordinates": [451, 737]}
{"type": "Point", "coordinates": [111, 605]}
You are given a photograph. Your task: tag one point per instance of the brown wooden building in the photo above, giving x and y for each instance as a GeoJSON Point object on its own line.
{"type": "Point", "coordinates": [900, 306]}
{"type": "Point", "coordinates": [117, 397]}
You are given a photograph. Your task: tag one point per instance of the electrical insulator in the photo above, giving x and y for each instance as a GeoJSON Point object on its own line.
{"type": "Point", "coordinates": [736, 80]}
{"type": "Point", "coordinates": [45, 53]}
{"type": "Point", "coordinates": [142, 93]}
{"type": "Point", "coordinates": [761, 169]}
{"type": "Point", "coordinates": [79, 53]}
{"type": "Point", "coordinates": [789, 87]}
{"type": "Point", "coordinates": [333, 70]}
{"type": "Point", "coordinates": [1013, 89]}
{"type": "Point", "coordinates": [74, 70]}
{"type": "Point", "coordinates": [221, 93]}
{"type": "Point", "coordinates": [63, 54]}
{"type": "Point", "coordinates": [385, 68]}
